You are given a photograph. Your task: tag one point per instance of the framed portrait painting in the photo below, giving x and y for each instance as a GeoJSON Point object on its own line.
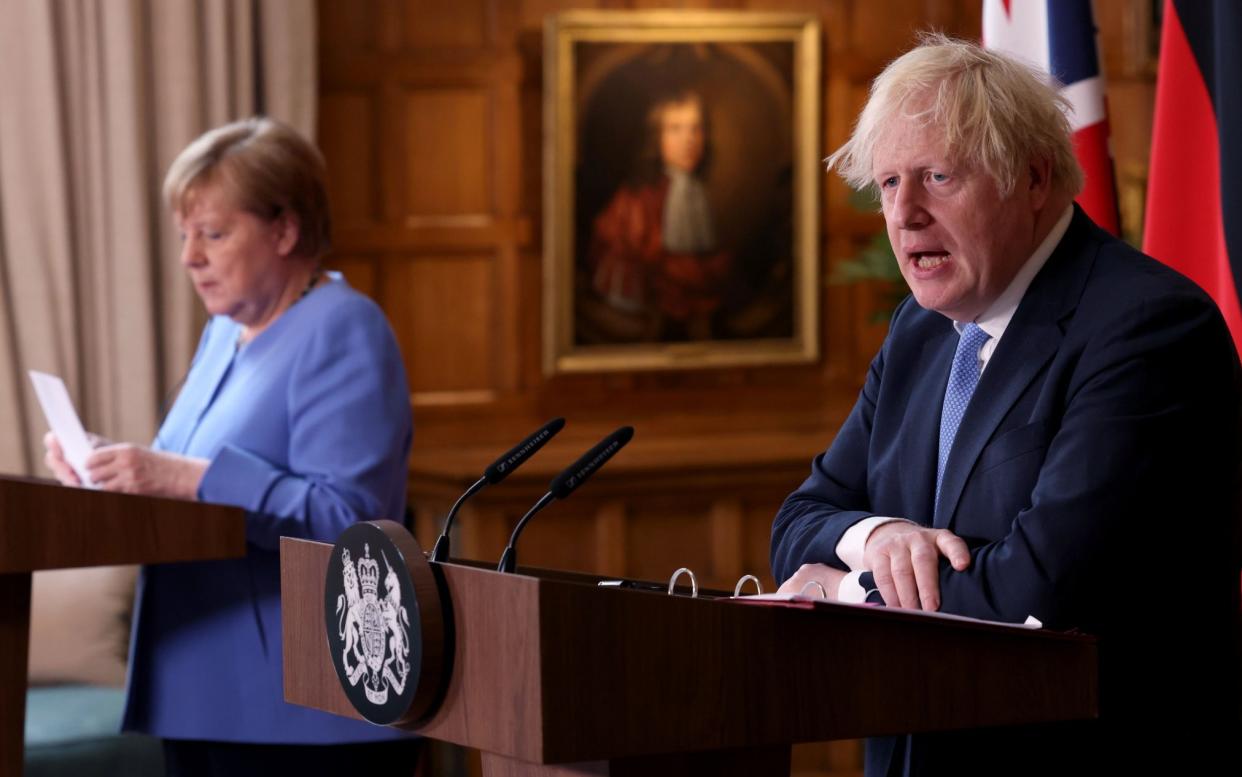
{"type": "Point", "coordinates": [681, 190]}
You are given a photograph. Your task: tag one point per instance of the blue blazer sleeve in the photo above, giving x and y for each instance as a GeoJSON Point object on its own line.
{"type": "Point", "coordinates": [350, 432]}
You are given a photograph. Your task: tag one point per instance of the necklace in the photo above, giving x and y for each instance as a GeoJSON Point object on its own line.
{"type": "Point", "coordinates": [315, 276]}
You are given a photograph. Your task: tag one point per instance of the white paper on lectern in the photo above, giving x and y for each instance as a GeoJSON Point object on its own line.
{"type": "Point", "coordinates": [63, 419]}
{"type": "Point", "coordinates": [801, 599]}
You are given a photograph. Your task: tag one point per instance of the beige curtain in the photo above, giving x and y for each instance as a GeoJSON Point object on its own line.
{"type": "Point", "coordinates": [96, 98]}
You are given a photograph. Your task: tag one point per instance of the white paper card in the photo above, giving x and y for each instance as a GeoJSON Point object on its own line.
{"type": "Point", "coordinates": [63, 419]}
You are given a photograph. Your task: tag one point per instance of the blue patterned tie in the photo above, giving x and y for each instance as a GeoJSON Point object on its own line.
{"type": "Point", "coordinates": [962, 381]}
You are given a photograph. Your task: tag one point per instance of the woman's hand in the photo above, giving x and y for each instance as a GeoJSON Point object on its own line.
{"type": "Point", "coordinates": [54, 458]}
{"type": "Point", "coordinates": [135, 469]}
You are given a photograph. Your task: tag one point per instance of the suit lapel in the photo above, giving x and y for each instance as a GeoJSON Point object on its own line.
{"type": "Point", "coordinates": [921, 427]}
{"type": "Point", "coordinates": [1010, 370]}
{"type": "Point", "coordinates": [1029, 343]}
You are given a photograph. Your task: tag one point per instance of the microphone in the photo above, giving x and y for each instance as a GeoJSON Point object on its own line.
{"type": "Point", "coordinates": [565, 484]}
{"type": "Point", "coordinates": [497, 471]}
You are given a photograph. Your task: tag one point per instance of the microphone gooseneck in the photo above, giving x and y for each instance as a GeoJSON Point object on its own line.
{"type": "Point", "coordinates": [508, 559]}
{"type": "Point", "coordinates": [497, 471]}
{"type": "Point", "coordinates": [441, 550]}
{"type": "Point", "coordinates": [565, 484]}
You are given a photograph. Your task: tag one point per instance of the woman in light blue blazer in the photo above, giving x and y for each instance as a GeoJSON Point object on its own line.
{"type": "Point", "coordinates": [295, 408]}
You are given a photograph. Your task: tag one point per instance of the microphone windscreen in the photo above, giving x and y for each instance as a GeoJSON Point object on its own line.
{"type": "Point", "coordinates": [499, 469]}
{"type": "Point", "coordinates": [565, 483]}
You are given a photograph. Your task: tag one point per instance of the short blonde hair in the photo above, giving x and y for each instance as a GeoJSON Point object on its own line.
{"type": "Point", "coordinates": [996, 112]}
{"type": "Point", "coordinates": [267, 169]}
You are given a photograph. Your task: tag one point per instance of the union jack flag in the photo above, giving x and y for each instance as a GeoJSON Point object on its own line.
{"type": "Point", "coordinates": [1058, 37]}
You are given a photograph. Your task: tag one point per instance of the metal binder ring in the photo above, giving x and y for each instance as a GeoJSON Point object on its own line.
{"type": "Point", "coordinates": [737, 589]}
{"type": "Point", "coordinates": [694, 583]}
{"type": "Point", "coordinates": [823, 594]}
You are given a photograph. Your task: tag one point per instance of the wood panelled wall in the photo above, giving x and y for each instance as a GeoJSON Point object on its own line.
{"type": "Point", "coordinates": [431, 123]}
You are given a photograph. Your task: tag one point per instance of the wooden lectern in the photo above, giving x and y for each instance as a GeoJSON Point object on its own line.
{"type": "Point", "coordinates": [553, 675]}
{"type": "Point", "coordinates": [47, 526]}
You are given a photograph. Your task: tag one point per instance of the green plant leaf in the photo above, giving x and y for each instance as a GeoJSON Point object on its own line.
{"type": "Point", "coordinates": [874, 263]}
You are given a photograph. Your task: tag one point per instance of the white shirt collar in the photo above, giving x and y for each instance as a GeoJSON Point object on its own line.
{"type": "Point", "coordinates": [995, 320]}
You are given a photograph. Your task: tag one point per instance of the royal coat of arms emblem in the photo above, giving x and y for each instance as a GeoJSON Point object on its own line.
{"type": "Point", "coordinates": [384, 623]}
{"type": "Point", "coordinates": [373, 629]}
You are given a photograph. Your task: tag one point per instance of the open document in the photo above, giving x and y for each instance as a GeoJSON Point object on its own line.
{"type": "Point", "coordinates": [63, 420]}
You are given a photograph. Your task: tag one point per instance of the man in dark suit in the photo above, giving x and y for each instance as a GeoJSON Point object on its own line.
{"type": "Point", "coordinates": [1050, 430]}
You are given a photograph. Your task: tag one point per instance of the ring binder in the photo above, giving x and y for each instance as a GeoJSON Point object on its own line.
{"type": "Point", "coordinates": [823, 594]}
{"type": "Point", "coordinates": [694, 583]}
{"type": "Point", "coordinates": [741, 581]}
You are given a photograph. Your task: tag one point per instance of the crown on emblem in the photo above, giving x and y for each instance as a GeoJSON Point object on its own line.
{"type": "Point", "coordinates": [368, 572]}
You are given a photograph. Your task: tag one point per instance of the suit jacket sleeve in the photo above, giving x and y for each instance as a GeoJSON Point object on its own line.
{"type": "Point", "coordinates": [349, 437]}
{"type": "Point", "coordinates": [813, 518]}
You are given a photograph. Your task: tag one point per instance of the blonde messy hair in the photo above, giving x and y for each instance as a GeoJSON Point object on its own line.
{"type": "Point", "coordinates": [266, 168]}
{"type": "Point", "coordinates": [995, 111]}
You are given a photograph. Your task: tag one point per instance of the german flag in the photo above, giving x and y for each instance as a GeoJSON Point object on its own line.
{"type": "Point", "coordinates": [1194, 202]}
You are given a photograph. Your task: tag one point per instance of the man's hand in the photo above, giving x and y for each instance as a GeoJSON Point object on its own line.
{"type": "Point", "coordinates": [134, 469]}
{"type": "Point", "coordinates": [826, 576]}
{"type": "Point", "coordinates": [905, 560]}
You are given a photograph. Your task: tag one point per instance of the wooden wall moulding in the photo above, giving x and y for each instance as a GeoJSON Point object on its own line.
{"type": "Point", "coordinates": [681, 189]}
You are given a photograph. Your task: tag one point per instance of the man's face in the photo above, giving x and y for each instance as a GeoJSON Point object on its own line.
{"type": "Point", "coordinates": [681, 135]}
{"type": "Point", "coordinates": [957, 241]}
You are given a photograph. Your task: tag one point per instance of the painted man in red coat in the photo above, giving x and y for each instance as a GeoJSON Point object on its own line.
{"type": "Point", "coordinates": [653, 247]}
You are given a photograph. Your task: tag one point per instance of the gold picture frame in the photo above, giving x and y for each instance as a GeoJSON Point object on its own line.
{"type": "Point", "coordinates": [682, 180]}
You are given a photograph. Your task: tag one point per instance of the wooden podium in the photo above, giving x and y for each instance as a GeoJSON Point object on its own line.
{"type": "Point", "coordinates": [553, 675]}
{"type": "Point", "coordinates": [47, 526]}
